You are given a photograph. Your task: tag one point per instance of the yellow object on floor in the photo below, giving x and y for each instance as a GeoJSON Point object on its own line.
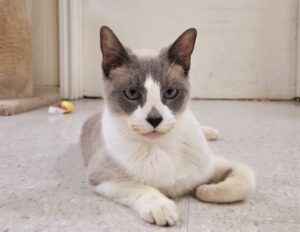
{"type": "Point", "coordinates": [64, 107]}
{"type": "Point", "coordinates": [67, 106]}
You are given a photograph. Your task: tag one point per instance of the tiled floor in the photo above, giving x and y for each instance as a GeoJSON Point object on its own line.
{"type": "Point", "coordinates": [43, 185]}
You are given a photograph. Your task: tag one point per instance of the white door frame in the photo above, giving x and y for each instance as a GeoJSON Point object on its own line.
{"type": "Point", "coordinates": [70, 49]}
{"type": "Point", "coordinates": [298, 56]}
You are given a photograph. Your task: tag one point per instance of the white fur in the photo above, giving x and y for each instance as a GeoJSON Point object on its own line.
{"type": "Point", "coordinates": [237, 186]}
{"type": "Point", "coordinates": [173, 164]}
{"type": "Point", "coordinates": [137, 121]}
{"type": "Point", "coordinates": [149, 160]}
{"type": "Point", "coordinates": [210, 133]}
{"type": "Point", "coordinates": [150, 204]}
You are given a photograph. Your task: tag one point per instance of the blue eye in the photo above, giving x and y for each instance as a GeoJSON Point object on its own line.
{"type": "Point", "coordinates": [132, 94]}
{"type": "Point", "coordinates": [170, 93]}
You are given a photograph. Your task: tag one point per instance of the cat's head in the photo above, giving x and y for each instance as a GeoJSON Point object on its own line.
{"type": "Point", "coordinates": [147, 89]}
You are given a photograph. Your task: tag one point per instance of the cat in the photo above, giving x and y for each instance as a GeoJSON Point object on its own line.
{"type": "Point", "coordinates": [147, 147]}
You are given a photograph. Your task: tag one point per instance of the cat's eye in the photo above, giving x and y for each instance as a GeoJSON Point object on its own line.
{"type": "Point", "coordinates": [170, 93]}
{"type": "Point", "coordinates": [132, 94]}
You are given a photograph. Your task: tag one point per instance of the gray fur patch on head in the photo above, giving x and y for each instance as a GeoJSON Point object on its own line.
{"type": "Point", "coordinates": [134, 73]}
{"type": "Point", "coordinates": [125, 69]}
{"type": "Point", "coordinates": [120, 79]}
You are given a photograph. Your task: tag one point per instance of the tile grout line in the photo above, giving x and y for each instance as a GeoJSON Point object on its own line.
{"type": "Point", "coordinates": [188, 214]}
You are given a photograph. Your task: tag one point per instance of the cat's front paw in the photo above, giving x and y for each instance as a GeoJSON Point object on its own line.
{"type": "Point", "coordinates": [162, 212]}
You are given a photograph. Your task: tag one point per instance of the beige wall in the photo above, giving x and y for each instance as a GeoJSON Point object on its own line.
{"type": "Point", "coordinates": [245, 48]}
{"type": "Point", "coordinates": [45, 43]}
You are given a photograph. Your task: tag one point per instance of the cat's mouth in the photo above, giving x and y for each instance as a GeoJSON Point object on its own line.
{"type": "Point", "coordinates": [153, 134]}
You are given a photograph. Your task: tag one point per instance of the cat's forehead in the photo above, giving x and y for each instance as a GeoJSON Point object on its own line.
{"type": "Point", "coordinates": [144, 63]}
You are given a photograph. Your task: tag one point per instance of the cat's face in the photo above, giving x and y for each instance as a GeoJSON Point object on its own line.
{"type": "Point", "coordinates": [149, 89]}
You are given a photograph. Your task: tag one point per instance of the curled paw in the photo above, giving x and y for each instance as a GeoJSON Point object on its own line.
{"type": "Point", "coordinates": [162, 212]}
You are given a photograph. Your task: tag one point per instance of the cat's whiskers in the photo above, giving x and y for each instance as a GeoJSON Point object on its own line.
{"type": "Point", "coordinates": [172, 64]}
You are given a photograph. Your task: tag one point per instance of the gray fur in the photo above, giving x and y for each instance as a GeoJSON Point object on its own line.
{"type": "Point", "coordinates": [101, 167]}
{"type": "Point", "coordinates": [168, 75]}
{"type": "Point", "coordinates": [154, 113]}
{"type": "Point", "coordinates": [90, 137]}
{"type": "Point", "coordinates": [123, 69]}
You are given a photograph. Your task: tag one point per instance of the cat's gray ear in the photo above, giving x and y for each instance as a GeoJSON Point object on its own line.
{"type": "Point", "coordinates": [181, 50]}
{"type": "Point", "coordinates": [114, 54]}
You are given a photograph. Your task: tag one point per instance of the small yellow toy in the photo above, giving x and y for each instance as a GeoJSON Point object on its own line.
{"type": "Point", "coordinates": [63, 108]}
{"type": "Point", "coordinates": [67, 106]}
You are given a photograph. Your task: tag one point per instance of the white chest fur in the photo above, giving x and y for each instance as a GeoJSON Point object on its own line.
{"type": "Point", "coordinates": [175, 163]}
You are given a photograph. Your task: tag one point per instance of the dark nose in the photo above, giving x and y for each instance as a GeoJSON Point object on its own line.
{"type": "Point", "coordinates": [154, 121]}
{"type": "Point", "coordinates": [154, 117]}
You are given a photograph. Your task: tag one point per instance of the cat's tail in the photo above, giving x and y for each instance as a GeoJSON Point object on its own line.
{"type": "Point", "coordinates": [231, 182]}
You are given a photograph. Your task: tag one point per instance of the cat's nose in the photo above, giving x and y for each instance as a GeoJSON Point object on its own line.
{"type": "Point", "coordinates": [154, 121]}
{"type": "Point", "coordinates": [154, 117]}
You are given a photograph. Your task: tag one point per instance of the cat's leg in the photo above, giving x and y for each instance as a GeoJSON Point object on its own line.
{"type": "Point", "coordinates": [210, 133]}
{"type": "Point", "coordinates": [148, 202]}
{"type": "Point", "coordinates": [230, 182]}
{"type": "Point", "coordinates": [107, 179]}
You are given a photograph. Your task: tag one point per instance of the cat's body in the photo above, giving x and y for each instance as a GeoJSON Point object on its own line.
{"type": "Point", "coordinates": [146, 145]}
{"type": "Point", "coordinates": [182, 158]}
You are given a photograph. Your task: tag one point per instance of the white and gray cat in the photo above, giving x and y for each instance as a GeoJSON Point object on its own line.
{"type": "Point", "coordinates": [147, 147]}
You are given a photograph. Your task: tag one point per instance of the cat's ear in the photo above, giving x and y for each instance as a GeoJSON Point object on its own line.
{"type": "Point", "coordinates": [114, 54]}
{"type": "Point", "coordinates": [181, 50]}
